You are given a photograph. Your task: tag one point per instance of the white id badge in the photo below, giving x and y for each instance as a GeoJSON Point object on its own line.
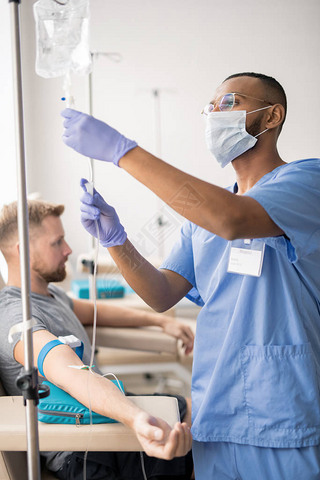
{"type": "Point", "coordinates": [246, 257]}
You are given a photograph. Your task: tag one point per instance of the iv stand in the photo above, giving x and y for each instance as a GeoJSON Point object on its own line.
{"type": "Point", "coordinates": [29, 380]}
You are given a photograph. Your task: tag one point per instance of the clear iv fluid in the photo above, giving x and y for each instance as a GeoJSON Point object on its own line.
{"type": "Point", "coordinates": [62, 32]}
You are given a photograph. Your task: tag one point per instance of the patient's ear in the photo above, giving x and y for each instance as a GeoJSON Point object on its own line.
{"type": "Point", "coordinates": [11, 252]}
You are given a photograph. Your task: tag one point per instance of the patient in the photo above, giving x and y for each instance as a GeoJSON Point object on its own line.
{"type": "Point", "coordinates": [58, 315]}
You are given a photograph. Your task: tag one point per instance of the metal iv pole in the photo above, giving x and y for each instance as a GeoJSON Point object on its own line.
{"type": "Point", "coordinates": [28, 381]}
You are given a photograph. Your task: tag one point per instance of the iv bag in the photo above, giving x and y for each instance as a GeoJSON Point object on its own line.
{"type": "Point", "coordinates": [62, 30]}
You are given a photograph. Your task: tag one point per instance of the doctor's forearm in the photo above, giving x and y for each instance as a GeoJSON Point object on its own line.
{"type": "Point", "coordinates": [202, 203]}
{"type": "Point", "coordinates": [148, 282]}
{"type": "Point", "coordinates": [211, 207]}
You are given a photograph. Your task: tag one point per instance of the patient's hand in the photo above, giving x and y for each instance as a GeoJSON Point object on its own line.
{"type": "Point", "coordinates": [159, 440]}
{"type": "Point", "coordinates": [180, 331]}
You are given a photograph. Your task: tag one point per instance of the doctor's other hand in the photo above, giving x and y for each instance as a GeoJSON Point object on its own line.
{"type": "Point", "coordinates": [95, 211]}
{"type": "Point", "coordinates": [159, 440]}
{"type": "Point", "coordinates": [93, 138]}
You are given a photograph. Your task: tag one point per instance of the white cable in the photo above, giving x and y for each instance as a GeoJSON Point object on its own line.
{"type": "Point", "coordinates": [116, 379]}
{"type": "Point", "coordinates": [94, 329]}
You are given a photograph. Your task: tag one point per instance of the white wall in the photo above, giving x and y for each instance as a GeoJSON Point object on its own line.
{"type": "Point", "coordinates": [184, 48]}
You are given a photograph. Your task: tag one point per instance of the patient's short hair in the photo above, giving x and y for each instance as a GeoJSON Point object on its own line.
{"type": "Point", "coordinates": [38, 210]}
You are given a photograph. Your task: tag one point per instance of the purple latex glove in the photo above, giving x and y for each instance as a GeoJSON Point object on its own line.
{"type": "Point", "coordinates": [93, 138]}
{"type": "Point", "coordinates": [94, 208]}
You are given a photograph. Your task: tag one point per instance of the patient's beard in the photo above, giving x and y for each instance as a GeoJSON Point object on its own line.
{"type": "Point", "coordinates": [50, 276]}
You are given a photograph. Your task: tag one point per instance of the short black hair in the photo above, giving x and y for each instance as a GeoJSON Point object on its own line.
{"type": "Point", "coordinates": [273, 88]}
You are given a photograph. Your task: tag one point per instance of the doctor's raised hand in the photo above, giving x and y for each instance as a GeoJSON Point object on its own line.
{"type": "Point", "coordinates": [93, 138]}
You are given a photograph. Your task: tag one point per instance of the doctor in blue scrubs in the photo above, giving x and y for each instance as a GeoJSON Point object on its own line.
{"type": "Point", "coordinates": [250, 256]}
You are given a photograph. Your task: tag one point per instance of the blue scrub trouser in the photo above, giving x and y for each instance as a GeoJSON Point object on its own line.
{"type": "Point", "coordinates": [231, 461]}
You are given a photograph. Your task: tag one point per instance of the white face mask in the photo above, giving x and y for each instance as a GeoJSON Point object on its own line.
{"type": "Point", "coordinates": [226, 135]}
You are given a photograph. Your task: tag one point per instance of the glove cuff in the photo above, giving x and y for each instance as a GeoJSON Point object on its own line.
{"type": "Point", "coordinates": [117, 240]}
{"type": "Point", "coordinates": [123, 147]}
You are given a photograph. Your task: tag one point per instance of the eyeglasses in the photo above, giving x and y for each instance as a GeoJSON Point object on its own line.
{"type": "Point", "coordinates": [227, 102]}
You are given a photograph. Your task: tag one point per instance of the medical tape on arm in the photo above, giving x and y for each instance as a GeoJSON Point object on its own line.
{"type": "Point", "coordinates": [74, 343]}
{"type": "Point", "coordinates": [21, 327]}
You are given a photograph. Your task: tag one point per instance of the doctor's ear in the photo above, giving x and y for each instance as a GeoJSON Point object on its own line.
{"type": "Point", "coordinates": [276, 116]}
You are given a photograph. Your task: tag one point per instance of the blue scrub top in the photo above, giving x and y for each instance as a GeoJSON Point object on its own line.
{"type": "Point", "coordinates": [257, 349]}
